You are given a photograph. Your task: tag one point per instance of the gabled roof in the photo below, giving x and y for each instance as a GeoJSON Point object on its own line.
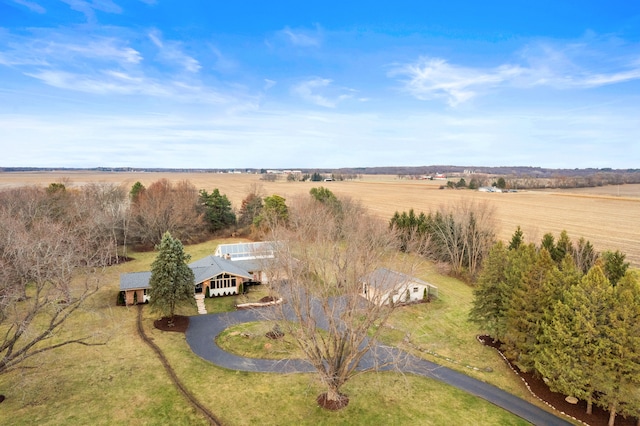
{"type": "Point", "coordinates": [203, 269]}
{"type": "Point", "coordinates": [212, 266]}
{"type": "Point", "coordinates": [135, 280]}
{"type": "Point", "coordinates": [386, 280]}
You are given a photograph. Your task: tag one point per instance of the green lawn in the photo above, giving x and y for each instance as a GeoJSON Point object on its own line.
{"type": "Point", "coordinates": [122, 382]}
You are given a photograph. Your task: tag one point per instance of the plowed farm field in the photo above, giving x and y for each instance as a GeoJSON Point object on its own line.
{"type": "Point", "coordinates": [607, 216]}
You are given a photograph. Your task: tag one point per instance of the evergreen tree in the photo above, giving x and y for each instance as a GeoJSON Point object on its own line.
{"type": "Point", "coordinates": [517, 239]}
{"type": "Point", "coordinates": [136, 190]}
{"type": "Point", "coordinates": [217, 210]}
{"type": "Point", "coordinates": [614, 265]}
{"type": "Point", "coordinates": [492, 294]}
{"type": "Point", "coordinates": [570, 351]}
{"type": "Point", "coordinates": [250, 209]}
{"type": "Point", "coordinates": [503, 273]}
{"type": "Point", "coordinates": [621, 351]}
{"type": "Point", "coordinates": [527, 311]}
{"type": "Point", "coordinates": [549, 243]}
{"type": "Point", "coordinates": [326, 197]}
{"type": "Point", "coordinates": [563, 247]}
{"type": "Point", "coordinates": [275, 211]}
{"type": "Point", "coordinates": [172, 281]}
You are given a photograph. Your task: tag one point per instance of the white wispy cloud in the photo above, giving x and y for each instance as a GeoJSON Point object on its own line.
{"type": "Point", "coordinates": [433, 78]}
{"type": "Point", "coordinates": [302, 38]}
{"type": "Point", "coordinates": [31, 5]}
{"type": "Point", "coordinates": [59, 49]}
{"type": "Point", "coordinates": [110, 66]}
{"type": "Point", "coordinates": [320, 92]}
{"type": "Point", "coordinates": [106, 82]}
{"type": "Point", "coordinates": [596, 61]}
{"type": "Point", "coordinates": [107, 49]}
{"type": "Point", "coordinates": [116, 82]}
{"type": "Point", "coordinates": [172, 53]}
{"type": "Point", "coordinates": [88, 8]}
{"type": "Point", "coordinates": [222, 63]}
{"type": "Point", "coordinates": [572, 66]}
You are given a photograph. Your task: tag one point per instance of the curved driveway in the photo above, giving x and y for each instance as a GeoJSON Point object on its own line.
{"type": "Point", "coordinates": [203, 330]}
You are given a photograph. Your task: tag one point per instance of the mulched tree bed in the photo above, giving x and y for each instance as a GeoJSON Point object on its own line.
{"type": "Point", "coordinates": [539, 388]}
{"type": "Point", "coordinates": [332, 405]}
{"type": "Point", "coordinates": [180, 324]}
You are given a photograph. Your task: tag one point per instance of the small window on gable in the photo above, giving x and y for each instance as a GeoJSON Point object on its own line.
{"type": "Point", "coordinates": [415, 289]}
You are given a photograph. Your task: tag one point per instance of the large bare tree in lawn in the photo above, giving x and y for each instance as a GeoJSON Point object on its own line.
{"type": "Point", "coordinates": [48, 268]}
{"type": "Point", "coordinates": [322, 255]}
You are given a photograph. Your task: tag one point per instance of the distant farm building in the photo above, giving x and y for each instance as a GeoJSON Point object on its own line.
{"type": "Point", "coordinates": [489, 189]}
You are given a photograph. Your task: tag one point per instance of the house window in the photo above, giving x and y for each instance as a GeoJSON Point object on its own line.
{"type": "Point", "coordinates": [415, 289]}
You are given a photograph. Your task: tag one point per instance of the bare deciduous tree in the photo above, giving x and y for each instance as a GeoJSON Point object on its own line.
{"type": "Point", "coordinates": [465, 234]}
{"type": "Point", "coordinates": [102, 217]}
{"type": "Point", "coordinates": [48, 268]}
{"type": "Point", "coordinates": [321, 258]}
{"type": "Point", "coordinates": [166, 207]}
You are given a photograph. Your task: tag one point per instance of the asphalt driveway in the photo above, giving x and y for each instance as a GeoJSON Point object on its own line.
{"type": "Point", "coordinates": [203, 330]}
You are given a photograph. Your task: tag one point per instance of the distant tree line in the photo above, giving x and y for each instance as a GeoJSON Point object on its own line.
{"type": "Point", "coordinates": [312, 177]}
{"type": "Point", "coordinates": [567, 313]}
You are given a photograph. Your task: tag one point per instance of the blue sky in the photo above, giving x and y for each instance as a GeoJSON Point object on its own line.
{"type": "Point", "coordinates": [284, 84]}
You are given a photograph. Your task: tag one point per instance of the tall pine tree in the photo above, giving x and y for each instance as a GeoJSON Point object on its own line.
{"type": "Point", "coordinates": [571, 349]}
{"type": "Point", "coordinates": [527, 311]}
{"type": "Point", "coordinates": [491, 293]}
{"type": "Point", "coordinates": [172, 281]}
{"type": "Point", "coordinates": [621, 363]}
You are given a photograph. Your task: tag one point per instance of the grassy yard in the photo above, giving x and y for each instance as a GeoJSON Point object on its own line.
{"type": "Point", "coordinates": [440, 331]}
{"type": "Point", "coordinates": [122, 381]}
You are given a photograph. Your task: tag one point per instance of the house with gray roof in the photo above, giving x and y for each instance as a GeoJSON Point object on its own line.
{"type": "Point", "coordinates": [215, 275]}
{"type": "Point", "coordinates": [386, 286]}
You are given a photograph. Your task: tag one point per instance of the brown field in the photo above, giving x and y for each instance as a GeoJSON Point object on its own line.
{"type": "Point", "coordinates": [607, 216]}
